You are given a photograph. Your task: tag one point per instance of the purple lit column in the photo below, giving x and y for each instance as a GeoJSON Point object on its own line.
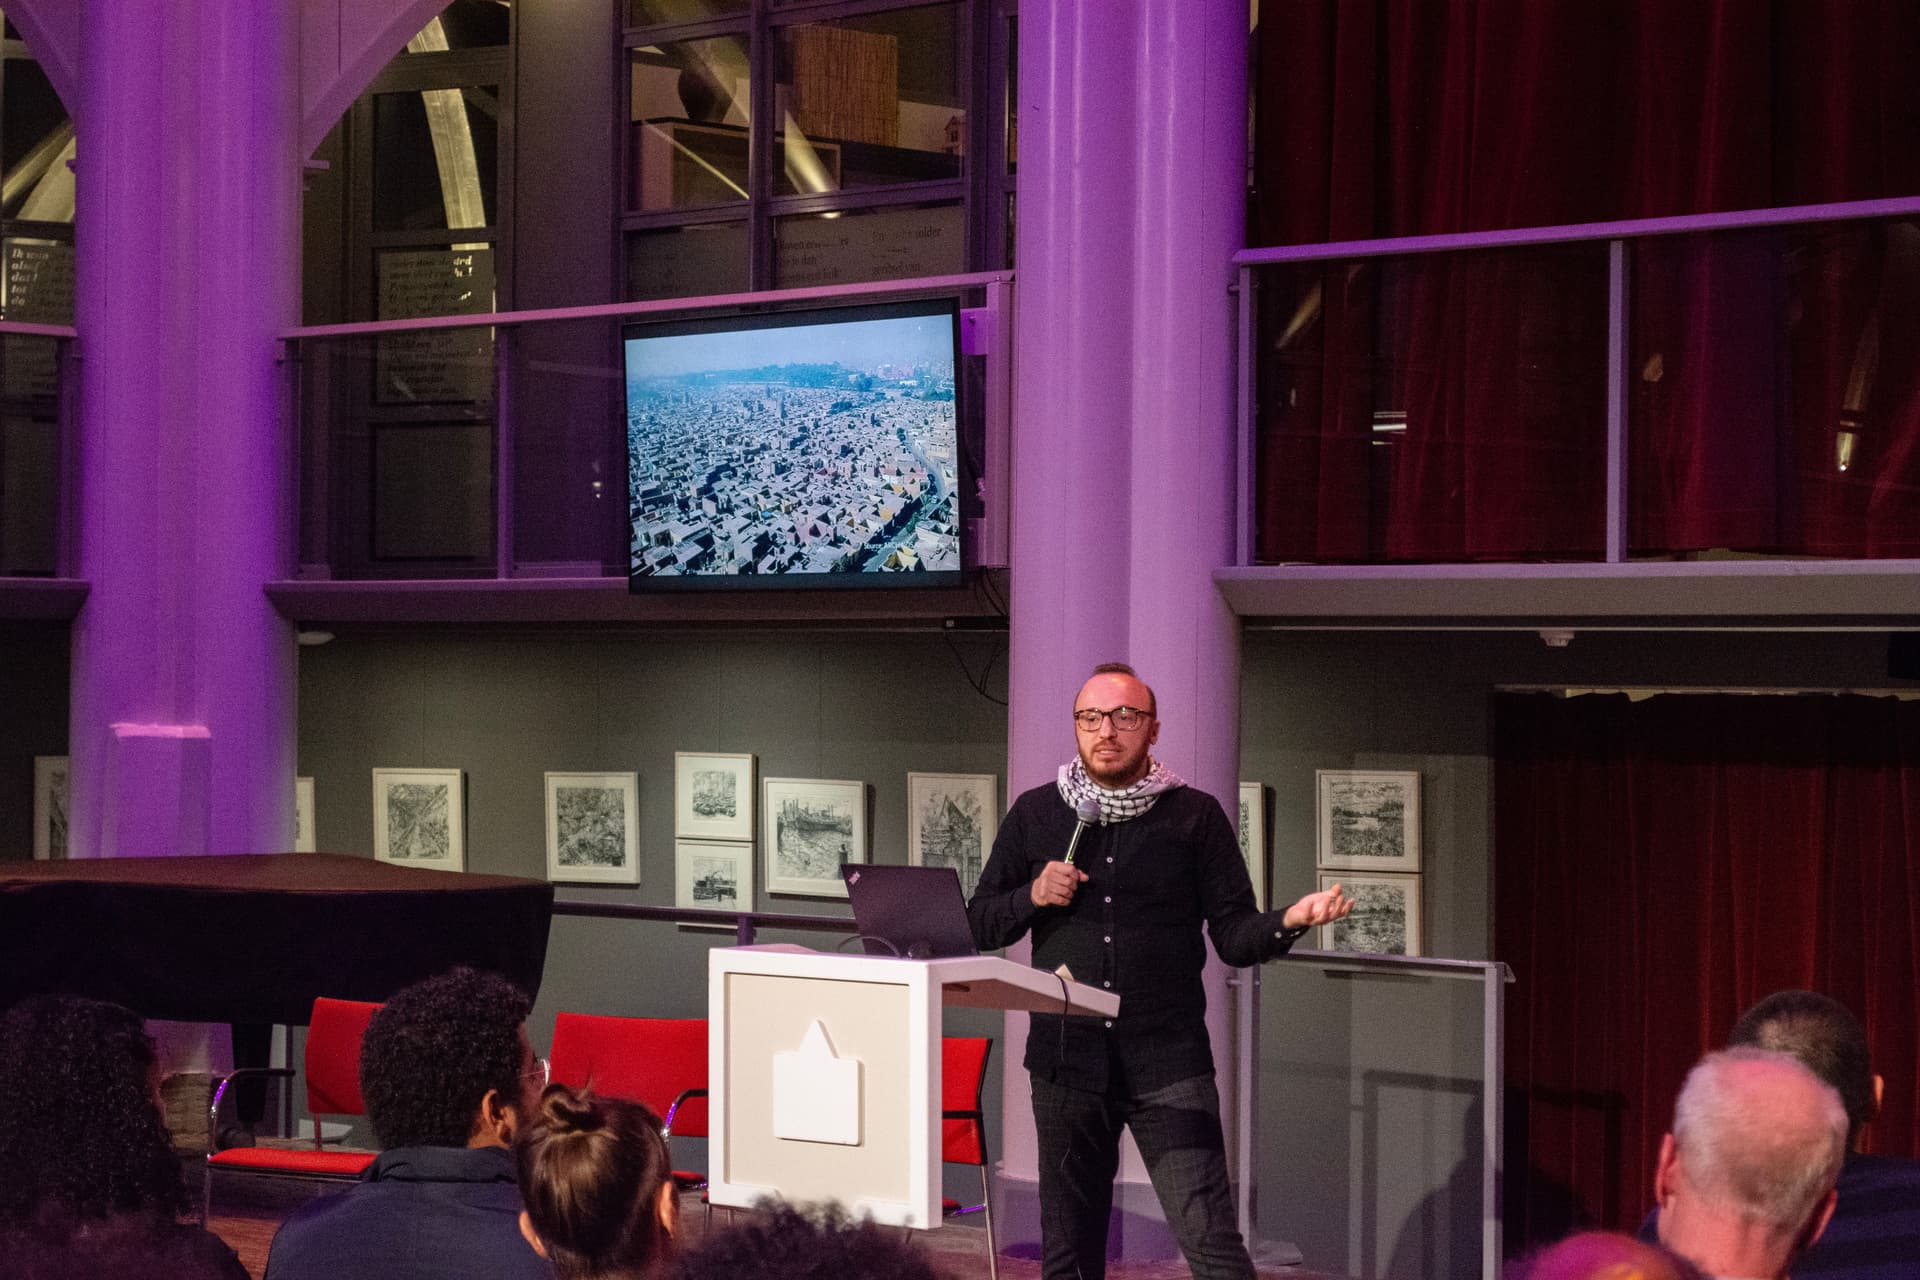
{"type": "Point", "coordinates": [1132, 188]}
{"type": "Point", "coordinates": [187, 254]}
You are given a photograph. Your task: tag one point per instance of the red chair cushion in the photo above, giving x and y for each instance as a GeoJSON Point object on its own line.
{"type": "Point", "coordinates": [650, 1060]}
{"type": "Point", "coordinates": [333, 1056]}
{"type": "Point", "coordinates": [313, 1164]}
{"type": "Point", "coordinates": [963, 1074]}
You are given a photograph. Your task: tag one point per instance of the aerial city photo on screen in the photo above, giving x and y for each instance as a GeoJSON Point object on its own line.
{"type": "Point", "coordinates": [797, 449]}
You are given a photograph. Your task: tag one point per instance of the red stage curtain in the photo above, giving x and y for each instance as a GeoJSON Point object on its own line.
{"type": "Point", "coordinates": [1661, 865]}
{"type": "Point", "coordinates": [1409, 117]}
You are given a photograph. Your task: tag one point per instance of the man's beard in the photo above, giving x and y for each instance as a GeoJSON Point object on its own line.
{"type": "Point", "coordinates": [1113, 778]}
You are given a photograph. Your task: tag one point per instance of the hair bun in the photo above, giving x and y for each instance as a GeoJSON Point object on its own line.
{"type": "Point", "coordinates": [568, 1112]}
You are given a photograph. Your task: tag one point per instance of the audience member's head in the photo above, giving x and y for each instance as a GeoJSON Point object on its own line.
{"type": "Point", "coordinates": [783, 1243]}
{"type": "Point", "coordinates": [1827, 1039]}
{"type": "Point", "coordinates": [1745, 1179]}
{"type": "Point", "coordinates": [597, 1185]}
{"type": "Point", "coordinates": [445, 1063]}
{"type": "Point", "coordinates": [124, 1247]}
{"type": "Point", "coordinates": [1602, 1255]}
{"type": "Point", "coordinates": [81, 1135]}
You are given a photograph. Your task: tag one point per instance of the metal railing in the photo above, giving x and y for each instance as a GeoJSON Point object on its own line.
{"type": "Point", "coordinates": [1618, 237]}
{"type": "Point", "coordinates": [746, 924]}
{"type": "Point", "coordinates": [330, 403]}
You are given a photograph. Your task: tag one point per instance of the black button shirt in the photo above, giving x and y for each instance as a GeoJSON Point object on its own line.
{"type": "Point", "coordinates": [1133, 928]}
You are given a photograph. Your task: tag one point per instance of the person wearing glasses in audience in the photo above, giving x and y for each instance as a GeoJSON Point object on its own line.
{"type": "Point", "coordinates": [1156, 862]}
{"type": "Point", "coordinates": [449, 1081]}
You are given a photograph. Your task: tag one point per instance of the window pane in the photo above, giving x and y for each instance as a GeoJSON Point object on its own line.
{"type": "Point", "coordinates": [433, 492]}
{"type": "Point", "coordinates": [687, 140]}
{"type": "Point", "coordinates": [869, 244]}
{"type": "Point", "coordinates": [435, 154]}
{"type": "Point", "coordinates": [36, 141]}
{"type": "Point", "coordinates": [1449, 407]}
{"type": "Point", "coordinates": [464, 24]}
{"type": "Point", "coordinates": [646, 13]}
{"type": "Point", "coordinates": [1013, 93]}
{"type": "Point", "coordinates": [29, 479]}
{"type": "Point", "coordinates": [870, 101]}
{"type": "Point", "coordinates": [30, 370]}
{"type": "Point", "coordinates": [685, 262]}
{"type": "Point", "coordinates": [434, 366]}
{"type": "Point", "coordinates": [37, 284]}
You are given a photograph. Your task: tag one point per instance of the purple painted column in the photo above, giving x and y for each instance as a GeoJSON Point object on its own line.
{"type": "Point", "coordinates": [1189, 222]}
{"type": "Point", "coordinates": [1132, 175]}
{"type": "Point", "coordinates": [187, 254]}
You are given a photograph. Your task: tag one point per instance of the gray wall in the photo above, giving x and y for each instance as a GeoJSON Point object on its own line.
{"type": "Point", "coordinates": [33, 722]}
{"type": "Point", "coordinates": [507, 707]}
{"type": "Point", "coordinates": [1367, 1118]}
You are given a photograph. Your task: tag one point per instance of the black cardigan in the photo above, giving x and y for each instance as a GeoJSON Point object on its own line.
{"type": "Point", "coordinates": [1133, 928]}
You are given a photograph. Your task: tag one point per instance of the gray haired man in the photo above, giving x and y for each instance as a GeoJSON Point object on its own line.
{"type": "Point", "coordinates": [1745, 1180]}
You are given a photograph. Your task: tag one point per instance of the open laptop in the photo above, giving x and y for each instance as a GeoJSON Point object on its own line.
{"type": "Point", "coordinates": [913, 912]}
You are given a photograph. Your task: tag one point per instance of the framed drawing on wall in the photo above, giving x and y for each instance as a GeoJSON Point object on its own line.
{"type": "Point", "coordinates": [303, 837]}
{"type": "Point", "coordinates": [713, 875]}
{"type": "Point", "coordinates": [811, 828]}
{"type": "Point", "coordinates": [951, 821]}
{"type": "Point", "coordinates": [1369, 820]}
{"type": "Point", "coordinates": [593, 827]}
{"type": "Point", "coordinates": [50, 808]}
{"type": "Point", "coordinates": [419, 818]}
{"type": "Point", "coordinates": [1385, 919]}
{"type": "Point", "coordinates": [712, 796]}
{"type": "Point", "coordinates": [1253, 838]}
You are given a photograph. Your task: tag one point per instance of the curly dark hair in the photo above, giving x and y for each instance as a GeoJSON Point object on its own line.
{"type": "Point", "coordinates": [81, 1133]}
{"type": "Point", "coordinates": [784, 1243]}
{"type": "Point", "coordinates": [591, 1175]}
{"type": "Point", "coordinates": [1825, 1036]}
{"type": "Point", "coordinates": [433, 1051]}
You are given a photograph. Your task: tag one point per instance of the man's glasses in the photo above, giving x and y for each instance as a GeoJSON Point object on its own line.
{"type": "Point", "coordinates": [1125, 719]}
{"type": "Point", "coordinates": [541, 1070]}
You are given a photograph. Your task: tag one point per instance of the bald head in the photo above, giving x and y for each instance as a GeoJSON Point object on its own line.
{"type": "Point", "coordinates": [1115, 756]}
{"type": "Point", "coordinates": [1602, 1255]}
{"type": "Point", "coordinates": [1759, 1136]}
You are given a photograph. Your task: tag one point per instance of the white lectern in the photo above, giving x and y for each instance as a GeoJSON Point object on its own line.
{"type": "Point", "coordinates": [825, 1070]}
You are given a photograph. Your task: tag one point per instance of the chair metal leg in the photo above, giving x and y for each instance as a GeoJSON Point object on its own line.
{"type": "Point", "coordinates": [986, 1207]}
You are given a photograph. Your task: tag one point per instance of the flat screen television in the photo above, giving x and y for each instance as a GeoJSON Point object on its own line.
{"type": "Point", "coordinates": [795, 449]}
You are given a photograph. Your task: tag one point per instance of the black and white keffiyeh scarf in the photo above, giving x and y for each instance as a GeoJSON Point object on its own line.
{"type": "Point", "coordinates": [1117, 806]}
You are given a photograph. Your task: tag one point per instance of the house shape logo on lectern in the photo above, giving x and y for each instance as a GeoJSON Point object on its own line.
{"type": "Point", "coordinates": [816, 1093]}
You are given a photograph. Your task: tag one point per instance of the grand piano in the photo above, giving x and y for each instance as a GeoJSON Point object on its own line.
{"type": "Point", "coordinates": [253, 938]}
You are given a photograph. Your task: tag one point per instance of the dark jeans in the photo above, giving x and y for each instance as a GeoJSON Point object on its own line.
{"type": "Point", "coordinates": [1177, 1129]}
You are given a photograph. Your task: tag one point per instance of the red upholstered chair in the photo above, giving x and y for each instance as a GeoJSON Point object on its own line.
{"type": "Point", "coordinates": [333, 1088]}
{"type": "Point", "coordinates": [963, 1128]}
{"type": "Point", "coordinates": [659, 1061]}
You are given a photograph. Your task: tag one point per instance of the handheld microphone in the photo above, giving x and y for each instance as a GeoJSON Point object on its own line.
{"type": "Point", "coordinates": [1087, 812]}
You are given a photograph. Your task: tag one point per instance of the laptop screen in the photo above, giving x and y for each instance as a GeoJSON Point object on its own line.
{"type": "Point", "coordinates": [915, 912]}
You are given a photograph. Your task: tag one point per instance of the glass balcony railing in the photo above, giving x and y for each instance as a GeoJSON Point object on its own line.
{"type": "Point", "coordinates": [1719, 387]}
{"type": "Point", "coordinates": [494, 446]}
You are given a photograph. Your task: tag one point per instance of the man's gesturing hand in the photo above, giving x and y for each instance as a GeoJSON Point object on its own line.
{"type": "Point", "coordinates": [1055, 884]}
{"type": "Point", "coordinates": [1318, 908]}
